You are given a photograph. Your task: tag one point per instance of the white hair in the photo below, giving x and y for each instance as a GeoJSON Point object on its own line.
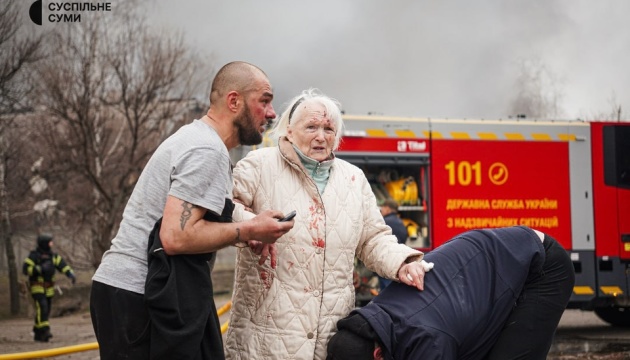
{"type": "Point", "coordinates": [293, 113]}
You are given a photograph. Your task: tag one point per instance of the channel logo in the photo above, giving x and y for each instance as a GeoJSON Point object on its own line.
{"type": "Point", "coordinates": [35, 12]}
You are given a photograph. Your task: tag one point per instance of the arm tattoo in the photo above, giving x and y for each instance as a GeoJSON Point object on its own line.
{"type": "Point", "coordinates": [186, 213]}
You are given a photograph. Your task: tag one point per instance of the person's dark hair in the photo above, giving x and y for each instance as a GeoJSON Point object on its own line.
{"type": "Point", "coordinates": [355, 340]}
{"type": "Point", "coordinates": [236, 75]}
{"type": "Point", "coordinates": [392, 204]}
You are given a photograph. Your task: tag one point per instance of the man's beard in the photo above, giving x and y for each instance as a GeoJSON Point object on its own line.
{"type": "Point", "coordinates": [248, 133]}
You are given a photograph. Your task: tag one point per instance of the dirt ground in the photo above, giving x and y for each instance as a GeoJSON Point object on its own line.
{"type": "Point", "coordinates": [75, 326]}
{"type": "Point", "coordinates": [16, 336]}
{"type": "Point", "coordinates": [69, 330]}
{"type": "Point", "coordinates": [76, 329]}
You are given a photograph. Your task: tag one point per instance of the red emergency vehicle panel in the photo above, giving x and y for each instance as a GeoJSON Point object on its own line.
{"type": "Point", "coordinates": [486, 184]}
{"type": "Point", "coordinates": [394, 145]}
{"type": "Point", "coordinates": [611, 204]}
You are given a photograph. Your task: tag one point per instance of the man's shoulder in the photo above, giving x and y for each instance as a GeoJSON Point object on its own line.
{"type": "Point", "coordinates": [393, 218]}
{"type": "Point", "coordinates": [193, 142]}
{"type": "Point", "coordinates": [195, 134]}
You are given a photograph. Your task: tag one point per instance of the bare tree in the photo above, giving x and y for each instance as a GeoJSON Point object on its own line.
{"type": "Point", "coordinates": [17, 52]}
{"type": "Point", "coordinates": [111, 93]}
{"type": "Point", "coordinates": [614, 113]}
{"type": "Point", "coordinates": [538, 91]}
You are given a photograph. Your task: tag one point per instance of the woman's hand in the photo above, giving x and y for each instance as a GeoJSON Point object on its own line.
{"type": "Point", "coordinates": [413, 273]}
{"type": "Point", "coordinates": [265, 251]}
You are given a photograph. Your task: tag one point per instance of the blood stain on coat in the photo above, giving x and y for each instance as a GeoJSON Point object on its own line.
{"type": "Point", "coordinates": [267, 278]}
{"type": "Point", "coordinates": [319, 243]}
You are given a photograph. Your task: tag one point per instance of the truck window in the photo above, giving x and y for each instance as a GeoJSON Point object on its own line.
{"type": "Point", "coordinates": [617, 156]}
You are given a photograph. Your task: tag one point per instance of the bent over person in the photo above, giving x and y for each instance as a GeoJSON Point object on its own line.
{"type": "Point", "coordinates": [493, 294]}
{"type": "Point", "coordinates": [40, 266]}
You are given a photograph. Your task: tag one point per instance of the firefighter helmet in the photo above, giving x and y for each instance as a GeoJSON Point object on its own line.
{"type": "Point", "coordinates": [43, 241]}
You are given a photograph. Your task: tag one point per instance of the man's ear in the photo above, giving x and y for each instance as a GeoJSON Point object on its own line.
{"type": "Point", "coordinates": [378, 353]}
{"type": "Point", "coordinates": [233, 101]}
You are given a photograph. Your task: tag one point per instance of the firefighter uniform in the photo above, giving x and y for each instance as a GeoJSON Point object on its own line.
{"type": "Point", "coordinates": [40, 266]}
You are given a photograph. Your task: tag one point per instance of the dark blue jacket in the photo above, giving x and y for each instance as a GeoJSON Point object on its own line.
{"type": "Point", "coordinates": [398, 228]}
{"type": "Point", "coordinates": [476, 281]}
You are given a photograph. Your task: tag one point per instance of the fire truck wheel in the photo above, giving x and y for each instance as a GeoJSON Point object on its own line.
{"type": "Point", "coordinates": [614, 315]}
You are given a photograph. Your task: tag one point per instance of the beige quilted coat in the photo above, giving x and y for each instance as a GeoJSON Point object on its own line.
{"type": "Point", "coordinates": [291, 312]}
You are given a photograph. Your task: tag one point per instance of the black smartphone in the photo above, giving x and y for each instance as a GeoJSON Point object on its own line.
{"type": "Point", "coordinates": [289, 216]}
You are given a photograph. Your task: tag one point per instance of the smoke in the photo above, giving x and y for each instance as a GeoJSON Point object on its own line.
{"type": "Point", "coordinates": [456, 59]}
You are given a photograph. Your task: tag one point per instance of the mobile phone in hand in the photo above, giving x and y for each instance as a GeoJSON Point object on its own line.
{"type": "Point", "coordinates": [289, 216]}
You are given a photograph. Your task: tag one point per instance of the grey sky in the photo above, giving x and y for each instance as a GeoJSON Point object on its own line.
{"type": "Point", "coordinates": [456, 59]}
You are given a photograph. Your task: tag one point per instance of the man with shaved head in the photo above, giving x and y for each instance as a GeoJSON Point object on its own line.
{"type": "Point", "coordinates": [152, 293]}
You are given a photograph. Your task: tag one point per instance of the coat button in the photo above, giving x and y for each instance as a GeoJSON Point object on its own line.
{"type": "Point", "coordinates": [316, 293]}
{"type": "Point", "coordinates": [309, 335]}
{"type": "Point", "coordinates": [319, 210]}
{"type": "Point", "coordinates": [318, 250]}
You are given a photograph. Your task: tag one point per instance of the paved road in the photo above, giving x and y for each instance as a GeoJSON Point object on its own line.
{"type": "Point", "coordinates": [582, 335]}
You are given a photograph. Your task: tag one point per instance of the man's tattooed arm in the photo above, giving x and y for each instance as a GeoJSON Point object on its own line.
{"type": "Point", "coordinates": [186, 213]}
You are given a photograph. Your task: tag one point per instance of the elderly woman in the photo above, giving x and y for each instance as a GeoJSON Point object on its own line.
{"type": "Point", "coordinates": [289, 310]}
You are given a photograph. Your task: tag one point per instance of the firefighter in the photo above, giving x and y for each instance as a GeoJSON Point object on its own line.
{"type": "Point", "coordinates": [40, 267]}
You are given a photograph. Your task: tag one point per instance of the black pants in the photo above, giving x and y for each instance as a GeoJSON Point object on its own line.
{"type": "Point", "coordinates": [43, 304]}
{"type": "Point", "coordinates": [176, 318]}
{"type": "Point", "coordinates": [121, 323]}
{"type": "Point", "coordinates": [528, 332]}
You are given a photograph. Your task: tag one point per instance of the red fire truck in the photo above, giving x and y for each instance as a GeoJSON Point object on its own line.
{"type": "Point", "coordinates": [570, 179]}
